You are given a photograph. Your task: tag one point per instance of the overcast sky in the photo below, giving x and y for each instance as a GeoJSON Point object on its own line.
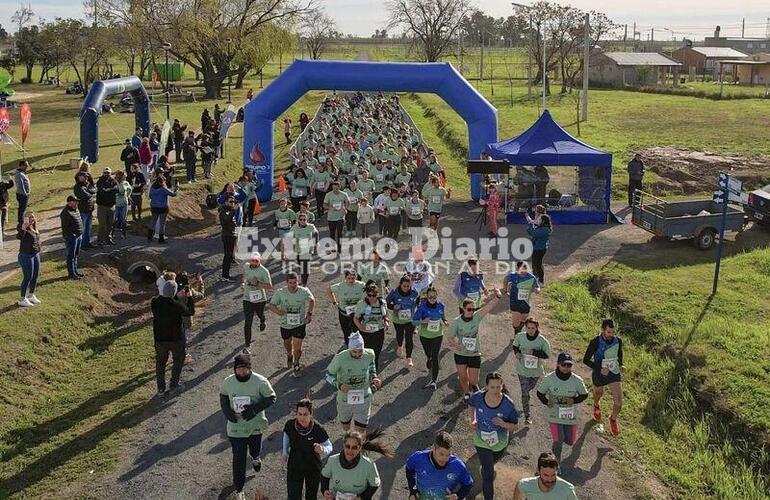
{"type": "Point", "coordinates": [691, 18]}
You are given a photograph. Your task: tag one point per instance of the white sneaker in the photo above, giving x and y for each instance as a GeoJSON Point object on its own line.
{"type": "Point", "coordinates": [33, 299]}
{"type": "Point", "coordinates": [240, 496]}
{"type": "Point", "coordinates": [25, 303]}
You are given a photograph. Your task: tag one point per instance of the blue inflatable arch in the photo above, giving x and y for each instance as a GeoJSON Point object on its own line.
{"type": "Point", "coordinates": [92, 108]}
{"type": "Point", "coordinates": [303, 76]}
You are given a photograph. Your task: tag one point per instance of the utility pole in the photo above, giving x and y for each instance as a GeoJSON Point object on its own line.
{"type": "Point", "coordinates": [545, 78]}
{"type": "Point", "coordinates": [586, 56]}
{"type": "Point", "coordinates": [625, 33]}
{"type": "Point", "coordinates": [652, 34]}
{"type": "Point", "coordinates": [481, 62]}
{"type": "Point", "coordinates": [460, 49]}
{"type": "Point", "coordinates": [529, 60]}
{"type": "Point", "coordinates": [166, 48]}
{"type": "Point", "coordinates": [743, 28]}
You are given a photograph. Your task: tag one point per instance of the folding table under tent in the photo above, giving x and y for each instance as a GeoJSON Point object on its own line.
{"type": "Point", "coordinates": [539, 159]}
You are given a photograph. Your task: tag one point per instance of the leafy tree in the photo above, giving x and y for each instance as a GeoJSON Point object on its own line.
{"type": "Point", "coordinates": [434, 23]}
{"type": "Point", "coordinates": [28, 49]}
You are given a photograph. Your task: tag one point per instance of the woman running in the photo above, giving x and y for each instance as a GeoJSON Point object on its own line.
{"type": "Point", "coordinates": [605, 358]}
{"type": "Point", "coordinates": [403, 302]}
{"type": "Point", "coordinates": [465, 341]}
{"type": "Point", "coordinates": [532, 349]}
{"type": "Point", "coordinates": [415, 210]}
{"type": "Point", "coordinates": [305, 445]}
{"type": "Point", "coordinates": [436, 196]}
{"type": "Point", "coordinates": [350, 475]}
{"type": "Point", "coordinates": [371, 320]}
{"type": "Point", "coordinates": [539, 231]}
{"type": "Point", "coordinates": [430, 318]}
{"type": "Point", "coordinates": [494, 418]}
{"type": "Point", "coordinates": [305, 241]}
{"type": "Point", "coordinates": [375, 270]}
{"type": "Point", "coordinates": [321, 183]}
{"type": "Point", "coordinates": [345, 295]}
{"type": "Point", "coordinates": [420, 271]}
{"type": "Point", "coordinates": [299, 188]}
{"type": "Point", "coordinates": [284, 219]}
{"type": "Point", "coordinates": [394, 206]}
{"type": "Point", "coordinates": [351, 216]}
{"type": "Point", "coordinates": [520, 285]}
{"type": "Point", "coordinates": [470, 285]}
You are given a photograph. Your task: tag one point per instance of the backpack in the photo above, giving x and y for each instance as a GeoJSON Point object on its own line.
{"type": "Point", "coordinates": [211, 201]}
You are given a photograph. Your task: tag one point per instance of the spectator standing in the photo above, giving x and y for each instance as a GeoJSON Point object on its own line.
{"type": "Point", "coordinates": [29, 259]}
{"type": "Point", "coordinates": [4, 187]}
{"type": "Point", "coordinates": [72, 233]}
{"type": "Point", "coordinates": [287, 129]}
{"type": "Point", "coordinates": [159, 194]}
{"type": "Point", "coordinates": [635, 176]}
{"type": "Point", "coordinates": [129, 156]}
{"type": "Point", "coordinates": [177, 132]}
{"type": "Point", "coordinates": [303, 121]}
{"type": "Point", "coordinates": [205, 119]}
{"type": "Point", "coordinates": [539, 231]}
{"type": "Point", "coordinates": [145, 157]}
{"type": "Point", "coordinates": [189, 152]}
{"type": "Point", "coordinates": [136, 140]}
{"type": "Point", "coordinates": [85, 192]}
{"type": "Point", "coordinates": [138, 185]}
{"type": "Point", "coordinates": [106, 193]}
{"type": "Point", "coordinates": [230, 218]}
{"type": "Point", "coordinates": [167, 329]}
{"type": "Point", "coordinates": [23, 189]}
{"type": "Point", "coordinates": [195, 291]}
{"type": "Point", "coordinates": [121, 203]}
{"type": "Point", "coordinates": [217, 114]}
{"type": "Point", "coordinates": [208, 153]}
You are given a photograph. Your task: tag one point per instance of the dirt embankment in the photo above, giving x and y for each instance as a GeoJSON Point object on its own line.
{"type": "Point", "coordinates": [684, 171]}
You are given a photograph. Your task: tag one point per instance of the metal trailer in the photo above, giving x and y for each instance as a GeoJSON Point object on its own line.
{"type": "Point", "coordinates": [684, 219]}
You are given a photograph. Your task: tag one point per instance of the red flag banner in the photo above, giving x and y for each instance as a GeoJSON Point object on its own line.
{"type": "Point", "coordinates": [5, 120]}
{"type": "Point", "coordinates": [26, 121]}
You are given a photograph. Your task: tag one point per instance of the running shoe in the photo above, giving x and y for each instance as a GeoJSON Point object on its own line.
{"type": "Point", "coordinates": [597, 414]}
{"type": "Point", "coordinates": [430, 385]}
{"type": "Point", "coordinates": [226, 278]}
{"type": "Point", "coordinates": [527, 420]}
{"type": "Point", "coordinates": [262, 326]}
{"type": "Point", "coordinates": [240, 496]}
{"type": "Point", "coordinates": [614, 427]}
{"type": "Point", "coordinates": [466, 397]}
{"type": "Point", "coordinates": [25, 303]}
{"type": "Point", "coordinates": [409, 362]}
{"type": "Point", "coordinates": [256, 463]}
{"type": "Point", "coordinates": [33, 299]}
{"type": "Point", "coordinates": [297, 371]}
{"type": "Point", "coordinates": [400, 352]}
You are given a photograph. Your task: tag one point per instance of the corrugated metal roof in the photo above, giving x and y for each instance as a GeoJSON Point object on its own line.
{"type": "Point", "coordinates": [640, 59]}
{"type": "Point", "coordinates": [719, 52]}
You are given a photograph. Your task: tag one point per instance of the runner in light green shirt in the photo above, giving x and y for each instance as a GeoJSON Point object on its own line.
{"type": "Point", "coordinates": [546, 485]}
{"type": "Point", "coordinates": [380, 176]}
{"type": "Point", "coordinates": [366, 185]}
{"type": "Point", "coordinates": [295, 305]}
{"type": "Point", "coordinates": [284, 217]}
{"type": "Point", "coordinates": [345, 295]}
{"type": "Point", "coordinates": [346, 483]}
{"type": "Point", "coordinates": [244, 395]}
{"type": "Point", "coordinates": [376, 271]}
{"type": "Point", "coordinates": [336, 203]}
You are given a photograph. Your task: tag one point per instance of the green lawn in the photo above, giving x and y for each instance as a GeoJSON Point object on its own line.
{"type": "Point", "coordinates": [697, 383]}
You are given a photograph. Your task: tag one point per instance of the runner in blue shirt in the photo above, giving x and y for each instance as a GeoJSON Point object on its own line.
{"type": "Point", "coordinates": [520, 285]}
{"type": "Point", "coordinates": [436, 473]}
{"type": "Point", "coordinates": [403, 301]}
{"type": "Point", "coordinates": [431, 321]}
{"type": "Point", "coordinates": [470, 285]}
{"type": "Point", "coordinates": [494, 417]}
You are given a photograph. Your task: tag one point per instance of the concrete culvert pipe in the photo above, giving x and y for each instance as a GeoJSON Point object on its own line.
{"type": "Point", "coordinates": [143, 272]}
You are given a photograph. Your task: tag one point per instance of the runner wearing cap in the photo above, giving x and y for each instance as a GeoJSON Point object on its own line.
{"type": "Point", "coordinates": [494, 418]}
{"type": "Point", "coordinates": [370, 318]}
{"type": "Point", "coordinates": [470, 285]}
{"type": "Point", "coordinates": [305, 445]}
{"type": "Point", "coordinates": [546, 485]}
{"type": "Point", "coordinates": [295, 304]}
{"type": "Point", "coordinates": [350, 475]}
{"type": "Point", "coordinates": [464, 339]}
{"type": "Point", "coordinates": [561, 390]}
{"type": "Point", "coordinates": [437, 472]}
{"type": "Point", "coordinates": [402, 302]}
{"type": "Point", "coordinates": [430, 318]}
{"type": "Point", "coordinates": [244, 396]}
{"type": "Point", "coordinates": [605, 358]}
{"type": "Point", "coordinates": [256, 283]}
{"type": "Point", "coordinates": [520, 285]}
{"type": "Point", "coordinates": [353, 373]}
{"type": "Point", "coordinates": [532, 349]}
{"type": "Point", "coordinates": [345, 295]}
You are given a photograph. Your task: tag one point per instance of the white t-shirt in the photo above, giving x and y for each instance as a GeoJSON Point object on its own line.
{"type": "Point", "coordinates": [421, 273]}
{"type": "Point", "coordinates": [379, 202]}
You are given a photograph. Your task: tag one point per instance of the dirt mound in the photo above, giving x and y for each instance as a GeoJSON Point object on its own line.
{"type": "Point", "coordinates": [684, 171]}
{"type": "Point", "coordinates": [188, 216]}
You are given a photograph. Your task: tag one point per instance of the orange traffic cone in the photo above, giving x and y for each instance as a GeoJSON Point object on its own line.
{"type": "Point", "coordinates": [257, 207]}
{"type": "Point", "coordinates": [281, 184]}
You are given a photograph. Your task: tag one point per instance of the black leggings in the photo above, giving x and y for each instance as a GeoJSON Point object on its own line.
{"type": "Point", "coordinates": [304, 271]}
{"type": "Point", "coordinates": [405, 332]}
{"type": "Point", "coordinates": [537, 265]}
{"type": "Point", "coordinates": [350, 220]}
{"type": "Point", "coordinates": [295, 202]}
{"type": "Point", "coordinates": [319, 202]}
{"type": "Point", "coordinates": [488, 458]}
{"type": "Point", "coordinates": [136, 206]}
{"type": "Point", "coordinates": [393, 226]}
{"type": "Point", "coordinates": [229, 254]}
{"type": "Point", "coordinates": [375, 341]}
{"type": "Point", "coordinates": [335, 231]}
{"type": "Point", "coordinates": [249, 308]}
{"type": "Point", "coordinates": [248, 217]}
{"type": "Point", "coordinates": [296, 478]}
{"type": "Point", "coordinates": [347, 325]}
{"type": "Point", "coordinates": [432, 347]}
{"type": "Point", "coordinates": [239, 446]}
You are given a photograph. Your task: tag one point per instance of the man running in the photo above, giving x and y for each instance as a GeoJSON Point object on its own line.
{"type": "Point", "coordinates": [531, 350]}
{"type": "Point", "coordinates": [605, 358]}
{"type": "Point", "coordinates": [520, 285]}
{"type": "Point", "coordinates": [244, 397]}
{"type": "Point", "coordinates": [561, 390]}
{"type": "Point", "coordinates": [291, 303]}
{"type": "Point", "coordinates": [470, 285]}
{"type": "Point", "coordinates": [256, 283]}
{"type": "Point", "coordinates": [336, 204]}
{"type": "Point", "coordinates": [546, 485]}
{"type": "Point", "coordinates": [345, 295]}
{"type": "Point", "coordinates": [354, 374]}
{"type": "Point", "coordinates": [437, 472]}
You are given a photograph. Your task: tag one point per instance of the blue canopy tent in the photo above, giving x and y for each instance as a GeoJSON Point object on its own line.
{"type": "Point", "coordinates": [546, 144]}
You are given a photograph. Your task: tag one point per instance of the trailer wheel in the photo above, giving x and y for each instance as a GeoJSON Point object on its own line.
{"type": "Point", "coordinates": [706, 239]}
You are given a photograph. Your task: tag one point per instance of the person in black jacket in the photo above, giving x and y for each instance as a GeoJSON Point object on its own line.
{"type": "Point", "coordinates": [129, 156]}
{"type": "Point", "coordinates": [177, 132]}
{"type": "Point", "coordinates": [72, 231]}
{"type": "Point", "coordinates": [4, 187]}
{"type": "Point", "coordinates": [189, 153]}
{"type": "Point", "coordinates": [29, 259]}
{"type": "Point", "coordinates": [230, 219]}
{"type": "Point", "coordinates": [167, 329]}
{"type": "Point", "coordinates": [85, 192]}
{"type": "Point", "coordinates": [106, 191]}
{"type": "Point", "coordinates": [305, 445]}
{"type": "Point", "coordinates": [138, 186]}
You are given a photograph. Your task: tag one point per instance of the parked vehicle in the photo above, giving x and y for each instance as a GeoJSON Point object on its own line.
{"type": "Point", "coordinates": [700, 220]}
{"type": "Point", "coordinates": [758, 205]}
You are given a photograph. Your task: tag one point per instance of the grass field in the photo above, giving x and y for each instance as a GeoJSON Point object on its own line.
{"type": "Point", "coordinates": [697, 383]}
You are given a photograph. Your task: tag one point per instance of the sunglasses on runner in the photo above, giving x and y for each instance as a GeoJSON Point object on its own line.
{"type": "Point", "coordinates": [469, 309]}
{"type": "Point", "coordinates": [353, 447]}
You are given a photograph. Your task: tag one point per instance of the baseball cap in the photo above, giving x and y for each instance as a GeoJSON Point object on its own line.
{"type": "Point", "coordinates": [565, 358]}
{"type": "Point", "coordinates": [71, 198]}
{"type": "Point", "coordinates": [107, 170]}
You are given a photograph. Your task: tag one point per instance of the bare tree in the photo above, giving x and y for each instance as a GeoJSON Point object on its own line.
{"type": "Point", "coordinates": [317, 30]}
{"type": "Point", "coordinates": [22, 16]}
{"type": "Point", "coordinates": [433, 22]}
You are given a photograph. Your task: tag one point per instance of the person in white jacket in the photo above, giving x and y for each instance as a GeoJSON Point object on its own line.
{"type": "Point", "coordinates": [420, 271]}
{"type": "Point", "coordinates": [379, 208]}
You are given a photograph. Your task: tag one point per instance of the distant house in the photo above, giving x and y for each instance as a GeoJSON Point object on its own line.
{"type": "Point", "coordinates": [705, 60]}
{"type": "Point", "coordinates": [753, 71]}
{"type": "Point", "coordinates": [618, 69]}
{"type": "Point", "coordinates": [747, 45]}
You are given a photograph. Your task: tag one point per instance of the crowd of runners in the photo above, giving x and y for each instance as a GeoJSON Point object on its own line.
{"type": "Point", "coordinates": [369, 175]}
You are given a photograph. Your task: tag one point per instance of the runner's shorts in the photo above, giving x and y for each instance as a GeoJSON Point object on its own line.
{"type": "Point", "coordinates": [600, 380]}
{"type": "Point", "coordinates": [470, 361]}
{"type": "Point", "coordinates": [296, 332]}
{"type": "Point", "coordinates": [520, 306]}
{"type": "Point", "coordinates": [358, 413]}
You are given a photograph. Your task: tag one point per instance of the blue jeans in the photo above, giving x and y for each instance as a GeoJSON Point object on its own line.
{"type": "Point", "coordinates": [120, 218]}
{"type": "Point", "coordinates": [73, 250]}
{"type": "Point", "coordinates": [86, 236]}
{"type": "Point", "coordinates": [30, 267]}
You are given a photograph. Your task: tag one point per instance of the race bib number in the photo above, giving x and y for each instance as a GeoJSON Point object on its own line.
{"type": "Point", "coordinates": [283, 223]}
{"type": "Point", "coordinates": [240, 402]}
{"type": "Point", "coordinates": [404, 314]}
{"type": "Point", "coordinates": [416, 210]}
{"type": "Point", "coordinates": [293, 319]}
{"type": "Point", "coordinates": [345, 496]}
{"type": "Point", "coordinates": [298, 192]}
{"type": "Point", "coordinates": [394, 210]}
{"type": "Point", "coordinates": [530, 361]}
{"type": "Point", "coordinates": [522, 295]}
{"type": "Point", "coordinates": [320, 186]}
{"type": "Point", "coordinates": [379, 178]}
{"type": "Point", "coordinates": [356, 397]}
{"type": "Point", "coordinates": [353, 201]}
{"type": "Point", "coordinates": [436, 200]}
{"type": "Point", "coordinates": [257, 295]}
{"type": "Point", "coordinates": [609, 364]}
{"type": "Point", "coordinates": [474, 296]}
{"type": "Point", "coordinates": [567, 412]}
{"type": "Point", "coordinates": [490, 437]}
{"type": "Point", "coordinates": [337, 205]}
{"type": "Point", "coordinates": [434, 325]}
{"type": "Point", "coordinates": [371, 327]}
{"type": "Point", "coordinates": [469, 343]}
{"type": "Point", "coordinates": [350, 310]}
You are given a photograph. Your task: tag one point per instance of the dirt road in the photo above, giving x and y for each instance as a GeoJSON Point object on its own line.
{"type": "Point", "coordinates": [181, 451]}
